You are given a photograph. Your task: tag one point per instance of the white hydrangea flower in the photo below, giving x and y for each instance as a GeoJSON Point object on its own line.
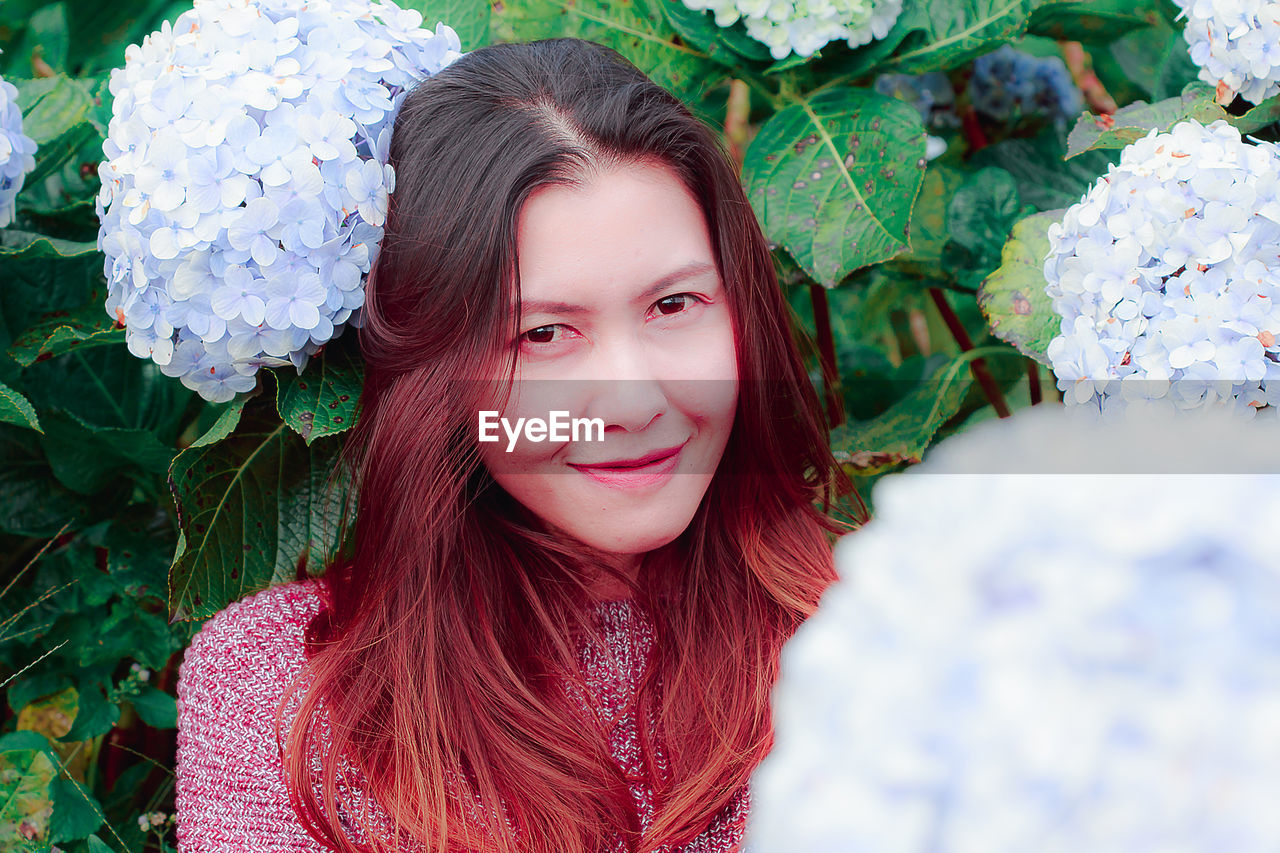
{"type": "Point", "coordinates": [1009, 664]}
{"type": "Point", "coordinates": [1236, 43]}
{"type": "Point", "coordinates": [246, 181]}
{"type": "Point", "coordinates": [1166, 275]}
{"type": "Point", "coordinates": [805, 26]}
{"type": "Point", "coordinates": [17, 152]}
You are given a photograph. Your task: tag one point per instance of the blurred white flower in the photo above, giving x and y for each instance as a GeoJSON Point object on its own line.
{"type": "Point", "coordinates": [1236, 43]}
{"type": "Point", "coordinates": [805, 26]}
{"type": "Point", "coordinates": [1009, 664]}
{"type": "Point", "coordinates": [17, 152]}
{"type": "Point", "coordinates": [1166, 276]}
{"type": "Point", "coordinates": [246, 166]}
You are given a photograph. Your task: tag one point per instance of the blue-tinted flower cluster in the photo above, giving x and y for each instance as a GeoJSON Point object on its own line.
{"type": "Point", "coordinates": [1012, 663]}
{"type": "Point", "coordinates": [246, 180]}
{"type": "Point", "coordinates": [1236, 43]}
{"type": "Point", "coordinates": [1008, 84]}
{"type": "Point", "coordinates": [17, 152]}
{"type": "Point", "coordinates": [805, 26]}
{"type": "Point", "coordinates": [1167, 279]}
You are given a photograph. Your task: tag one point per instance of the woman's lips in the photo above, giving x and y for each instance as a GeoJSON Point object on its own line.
{"type": "Point", "coordinates": [633, 477]}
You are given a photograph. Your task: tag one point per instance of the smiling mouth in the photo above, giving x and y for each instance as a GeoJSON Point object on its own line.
{"type": "Point", "coordinates": [632, 464]}
{"type": "Point", "coordinates": [652, 469]}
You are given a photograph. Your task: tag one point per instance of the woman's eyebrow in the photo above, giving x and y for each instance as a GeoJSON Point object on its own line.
{"type": "Point", "coordinates": [689, 270]}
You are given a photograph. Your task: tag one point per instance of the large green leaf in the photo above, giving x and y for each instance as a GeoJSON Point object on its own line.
{"type": "Point", "coordinates": [1046, 180]}
{"type": "Point", "coordinates": [833, 179]}
{"type": "Point", "coordinates": [1094, 20]}
{"type": "Point", "coordinates": [941, 34]}
{"type": "Point", "coordinates": [32, 501]}
{"type": "Point", "coordinates": [1013, 297]}
{"type": "Point", "coordinates": [27, 770]}
{"type": "Point", "coordinates": [322, 400]}
{"type": "Point", "coordinates": [251, 510]}
{"type": "Point", "coordinates": [727, 45]}
{"type": "Point", "coordinates": [929, 221]}
{"type": "Point", "coordinates": [41, 275]}
{"type": "Point", "coordinates": [1132, 122]}
{"type": "Point", "coordinates": [1157, 59]}
{"type": "Point", "coordinates": [52, 105]}
{"type": "Point", "coordinates": [76, 811]}
{"type": "Point", "coordinates": [468, 18]}
{"type": "Point", "coordinates": [901, 434]}
{"type": "Point", "coordinates": [637, 29]}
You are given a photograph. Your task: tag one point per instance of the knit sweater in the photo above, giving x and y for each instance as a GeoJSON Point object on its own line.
{"type": "Point", "coordinates": [230, 790]}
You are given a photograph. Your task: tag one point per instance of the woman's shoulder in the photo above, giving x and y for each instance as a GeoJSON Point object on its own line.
{"type": "Point", "coordinates": [247, 650]}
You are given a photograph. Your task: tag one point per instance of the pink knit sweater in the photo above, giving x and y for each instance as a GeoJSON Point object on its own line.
{"type": "Point", "coordinates": [230, 783]}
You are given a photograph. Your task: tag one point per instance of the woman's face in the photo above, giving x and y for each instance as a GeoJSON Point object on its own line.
{"type": "Point", "coordinates": [624, 320]}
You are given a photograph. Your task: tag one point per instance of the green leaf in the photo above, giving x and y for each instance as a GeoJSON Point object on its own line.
{"type": "Point", "coordinates": [941, 34]}
{"type": "Point", "coordinates": [322, 400]}
{"type": "Point", "coordinates": [1045, 179]}
{"type": "Point", "coordinates": [139, 543]}
{"type": "Point", "coordinates": [101, 31]}
{"type": "Point", "coordinates": [833, 179]}
{"type": "Point", "coordinates": [40, 275]}
{"type": "Point", "coordinates": [51, 106]}
{"type": "Point", "coordinates": [45, 38]}
{"type": "Point", "coordinates": [225, 423]}
{"type": "Point", "coordinates": [95, 714]}
{"type": "Point", "coordinates": [981, 213]}
{"type": "Point", "coordinates": [1093, 20]}
{"type": "Point", "coordinates": [726, 45]}
{"type": "Point", "coordinates": [97, 845]}
{"type": "Point", "coordinates": [62, 331]}
{"type": "Point", "coordinates": [1013, 297]}
{"type": "Point", "coordinates": [156, 708]}
{"type": "Point", "coordinates": [251, 511]}
{"type": "Point", "coordinates": [27, 770]}
{"type": "Point", "coordinates": [76, 812]}
{"type": "Point", "coordinates": [1157, 58]}
{"type": "Point", "coordinates": [637, 29]}
{"type": "Point", "coordinates": [468, 18]}
{"type": "Point", "coordinates": [1131, 123]}
{"type": "Point", "coordinates": [929, 222]}
{"type": "Point", "coordinates": [17, 409]}
{"type": "Point", "coordinates": [901, 434]}
{"type": "Point", "coordinates": [32, 502]}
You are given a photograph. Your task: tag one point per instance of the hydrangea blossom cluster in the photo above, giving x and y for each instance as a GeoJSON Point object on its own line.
{"type": "Point", "coordinates": [1236, 43]}
{"type": "Point", "coordinates": [932, 96]}
{"type": "Point", "coordinates": [246, 179]}
{"type": "Point", "coordinates": [1005, 665]}
{"type": "Point", "coordinates": [17, 152]}
{"type": "Point", "coordinates": [805, 26]}
{"type": "Point", "coordinates": [1008, 84]}
{"type": "Point", "coordinates": [1166, 279]}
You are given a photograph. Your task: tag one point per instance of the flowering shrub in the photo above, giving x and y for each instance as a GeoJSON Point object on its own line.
{"type": "Point", "coordinates": [805, 26]}
{"type": "Point", "coordinates": [16, 151]}
{"type": "Point", "coordinates": [1002, 667]}
{"type": "Point", "coordinates": [1165, 275]}
{"type": "Point", "coordinates": [1236, 45]}
{"type": "Point", "coordinates": [243, 196]}
{"type": "Point", "coordinates": [1008, 85]}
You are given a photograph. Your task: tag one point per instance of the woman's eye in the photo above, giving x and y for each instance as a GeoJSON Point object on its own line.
{"type": "Point", "coordinates": [677, 302]}
{"type": "Point", "coordinates": [540, 335]}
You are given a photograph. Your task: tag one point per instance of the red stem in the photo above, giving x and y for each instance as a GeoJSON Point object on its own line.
{"type": "Point", "coordinates": [827, 352]}
{"type": "Point", "coordinates": [1033, 381]}
{"type": "Point", "coordinates": [978, 366]}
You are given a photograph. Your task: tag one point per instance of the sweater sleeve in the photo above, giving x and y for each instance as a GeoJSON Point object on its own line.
{"type": "Point", "coordinates": [230, 789]}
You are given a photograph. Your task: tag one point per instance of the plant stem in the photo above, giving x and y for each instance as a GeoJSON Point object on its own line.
{"type": "Point", "coordinates": [827, 351]}
{"type": "Point", "coordinates": [1081, 66]}
{"type": "Point", "coordinates": [983, 376]}
{"type": "Point", "coordinates": [1033, 381]}
{"type": "Point", "coordinates": [736, 130]}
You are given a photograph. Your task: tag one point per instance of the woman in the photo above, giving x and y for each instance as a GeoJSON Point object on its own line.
{"type": "Point", "coordinates": [545, 646]}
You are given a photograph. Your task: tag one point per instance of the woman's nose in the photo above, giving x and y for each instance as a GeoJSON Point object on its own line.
{"type": "Point", "coordinates": [626, 390]}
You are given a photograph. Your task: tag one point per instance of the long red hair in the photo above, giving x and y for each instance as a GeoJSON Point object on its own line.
{"type": "Point", "coordinates": [448, 626]}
